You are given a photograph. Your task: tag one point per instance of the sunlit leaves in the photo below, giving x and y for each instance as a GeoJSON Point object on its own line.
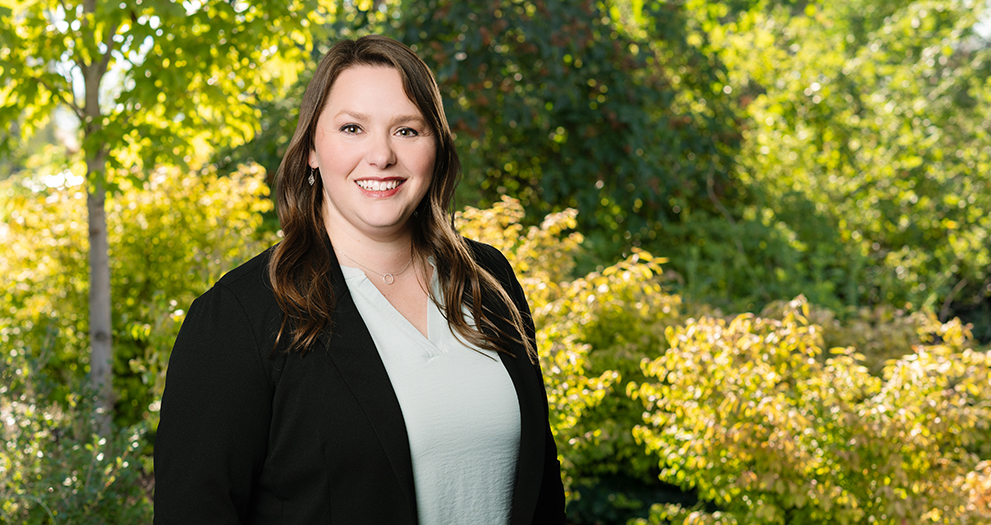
{"type": "Point", "coordinates": [171, 238]}
{"type": "Point", "coordinates": [869, 134]}
{"type": "Point", "coordinates": [748, 414]}
{"type": "Point", "coordinates": [54, 469]}
{"type": "Point", "coordinates": [170, 72]}
{"type": "Point", "coordinates": [751, 413]}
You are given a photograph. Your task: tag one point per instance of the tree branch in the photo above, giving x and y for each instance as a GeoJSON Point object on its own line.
{"type": "Point", "coordinates": [58, 95]}
{"type": "Point", "coordinates": [945, 310]}
{"type": "Point", "coordinates": [109, 42]}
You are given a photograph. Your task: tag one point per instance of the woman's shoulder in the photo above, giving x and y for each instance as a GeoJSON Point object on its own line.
{"type": "Point", "coordinates": [486, 255]}
{"type": "Point", "coordinates": [250, 275]}
{"type": "Point", "coordinates": [234, 319]}
{"type": "Point", "coordinates": [244, 289]}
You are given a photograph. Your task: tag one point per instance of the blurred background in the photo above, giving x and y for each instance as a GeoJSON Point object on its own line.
{"type": "Point", "coordinates": [754, 233]}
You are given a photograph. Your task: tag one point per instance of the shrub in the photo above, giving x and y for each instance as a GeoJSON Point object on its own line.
{"type": "Point", "coordinates": [747, 414]}
{"type": "Point", "coordinates": [881, 334]}
{"type": "Point", "coordinates": [170, 239]}
{"type": "Point", "coordinates": [54, 468]}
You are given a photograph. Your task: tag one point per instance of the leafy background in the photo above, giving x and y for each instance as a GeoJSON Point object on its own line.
{"type": "Point", "coordinates": [754, 235]}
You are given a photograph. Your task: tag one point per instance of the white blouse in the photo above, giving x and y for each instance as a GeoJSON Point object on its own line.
{"type": "Point", "coordinates": [459, 406]}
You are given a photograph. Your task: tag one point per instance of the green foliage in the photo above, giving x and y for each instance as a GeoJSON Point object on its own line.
{"type": "Point", "coordinates": [172, 237]}
{"type": "Point", "coordinates": [617, 316]}
{"type": "Point", "coordinates": [148, 84]}
{"type": "Point", "coordinates": [549, 103]}
{"type": "Point", "coordinates": [605, 107]}
{"type": "Point", "coordinates": [868, 145]}
{"type": "Point", "coordinates": [768, 149]}
{"type": "Point", "coordinates": [186, 72]}
{"type": "Point", "coordinates": [54, 468]}
{"type": "Point", "coordinates": [747, 414]}
{"type": "Point", "coordinates": [881, 333]}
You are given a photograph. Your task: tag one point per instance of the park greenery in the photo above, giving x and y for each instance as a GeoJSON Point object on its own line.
{"type": "Point", "coordinates": [755, 236]}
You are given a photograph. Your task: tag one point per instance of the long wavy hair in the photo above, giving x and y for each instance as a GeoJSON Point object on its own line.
{"type": "Point", "coordinates": [301, 263]}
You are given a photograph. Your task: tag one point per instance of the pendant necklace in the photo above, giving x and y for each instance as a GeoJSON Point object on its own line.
{"type": "Point", "coordinates": [387, 278]}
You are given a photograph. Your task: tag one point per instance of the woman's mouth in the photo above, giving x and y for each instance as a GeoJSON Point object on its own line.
{"type": "Point", "coordinates": [379, 185]}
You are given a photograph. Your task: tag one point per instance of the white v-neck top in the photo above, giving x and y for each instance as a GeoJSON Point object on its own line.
{"type": "Point", "coordinates": [459, 406]}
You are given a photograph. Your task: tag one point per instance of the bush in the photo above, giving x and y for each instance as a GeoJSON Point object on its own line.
{"type": "Point", "coordinates": [747, 414]}
{"type": "Point", "coordinates": [881, 334]}
{"type": "Point", "coordinates": [54, 468]}
{"type": "Point", "coordinates": [170, 239]}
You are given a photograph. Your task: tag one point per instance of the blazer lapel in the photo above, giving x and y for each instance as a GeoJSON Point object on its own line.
{"type": "Point", "coordinates": [351, 349]}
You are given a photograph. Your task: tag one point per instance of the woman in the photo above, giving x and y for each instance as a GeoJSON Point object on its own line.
{"type": "Point", "coordinates": [374, 366]}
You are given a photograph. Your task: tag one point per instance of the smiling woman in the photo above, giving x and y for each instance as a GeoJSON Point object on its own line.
{"type": "Point", "coordinates": [375, 153]}
{"type": "Point", "coordinates": [375, 366]}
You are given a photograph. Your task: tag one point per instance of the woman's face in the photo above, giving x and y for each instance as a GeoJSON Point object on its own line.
{"type": "Point", "coordinates": [375, 153]}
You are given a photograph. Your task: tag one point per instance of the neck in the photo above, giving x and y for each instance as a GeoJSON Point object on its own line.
{"type": "Point", "coordinates": [379, 255]}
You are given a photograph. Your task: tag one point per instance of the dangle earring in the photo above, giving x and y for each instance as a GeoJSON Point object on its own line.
{"type": "Point", "coordinates": [312, 179]}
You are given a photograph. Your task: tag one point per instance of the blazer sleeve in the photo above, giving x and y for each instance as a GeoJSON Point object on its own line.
{"type": "Point", "coordinates": [550, 502]}
{"type": "Point", "coordinates": [215, 414]}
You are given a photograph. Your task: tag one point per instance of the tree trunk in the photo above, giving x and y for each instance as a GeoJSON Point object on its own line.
{"type": "Point", "coordinates": [100, 324]}
{"type": "Point", "coordinates": [101, 357]}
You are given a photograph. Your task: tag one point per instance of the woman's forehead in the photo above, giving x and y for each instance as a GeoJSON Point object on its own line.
{"type": "Point", "coordinates": [369, 91]}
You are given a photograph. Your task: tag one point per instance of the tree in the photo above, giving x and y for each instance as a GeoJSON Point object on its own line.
{"type": "Point", "coordinates": [868, 138]}
{"type": "Point", "coordinates": [624, 110]}
{"type": "Point", "coordinates": [150, 83]}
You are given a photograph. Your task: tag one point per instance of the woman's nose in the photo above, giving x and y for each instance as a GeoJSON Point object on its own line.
{"type": "Point", "coordinates": [381, 153]}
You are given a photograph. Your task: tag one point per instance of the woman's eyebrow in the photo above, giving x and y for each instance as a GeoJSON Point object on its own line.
{"type": "Point", "coordinates": [399, 119]}
{"type": "Point", "coordinates": [353, 114]}
{"type": "Point", "coordinates": [403, 119]}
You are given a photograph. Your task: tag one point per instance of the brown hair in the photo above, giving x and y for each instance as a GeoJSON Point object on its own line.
{"type": "Point", "coordinates": [300, 264]}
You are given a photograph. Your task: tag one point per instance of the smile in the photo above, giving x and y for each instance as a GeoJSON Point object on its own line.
{"type": "Point", "coordinates": [379, 185]}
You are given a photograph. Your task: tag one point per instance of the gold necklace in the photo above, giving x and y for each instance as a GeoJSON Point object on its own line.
{"type": "Point", "coordinates": [387, 278]}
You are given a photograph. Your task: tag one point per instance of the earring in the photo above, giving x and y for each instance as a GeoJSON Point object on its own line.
{"type": "Point", "coordinates": [312, 179]}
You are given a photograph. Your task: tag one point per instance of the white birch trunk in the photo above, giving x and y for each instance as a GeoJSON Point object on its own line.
{"type": "Point", "coordinates": [100, 324]}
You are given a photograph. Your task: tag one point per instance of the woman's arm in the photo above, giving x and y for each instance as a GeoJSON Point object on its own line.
{"type": "Point", "coordinates": [215, 414]}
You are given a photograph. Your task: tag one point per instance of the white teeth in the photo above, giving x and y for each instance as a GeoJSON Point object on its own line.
{"type": "Point", "coordinates": [378, 185]}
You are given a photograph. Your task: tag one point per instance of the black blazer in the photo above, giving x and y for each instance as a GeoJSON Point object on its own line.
{"type": "Point", "coordinates": [252, 436]}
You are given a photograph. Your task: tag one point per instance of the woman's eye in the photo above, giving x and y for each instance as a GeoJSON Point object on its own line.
{"type": "Point", "coordinates": [350, 128]}
{"type": "Point", "coordinates": [407, 132]}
